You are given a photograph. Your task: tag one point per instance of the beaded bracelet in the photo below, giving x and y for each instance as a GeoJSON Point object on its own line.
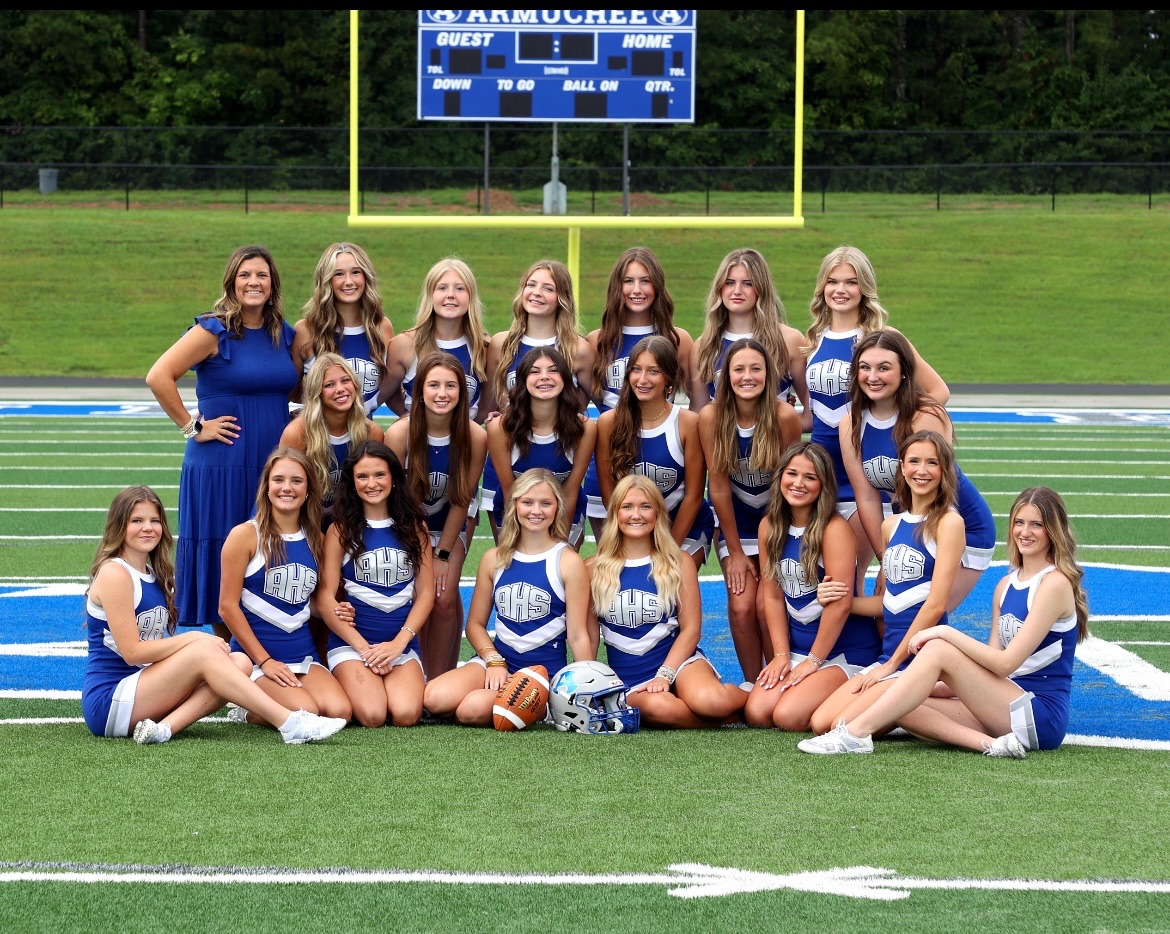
{"type": "Point", "coordinates": [667, 674]}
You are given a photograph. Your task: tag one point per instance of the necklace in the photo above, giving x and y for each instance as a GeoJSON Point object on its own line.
{"type": "Point", "coordinates": [659, 415]}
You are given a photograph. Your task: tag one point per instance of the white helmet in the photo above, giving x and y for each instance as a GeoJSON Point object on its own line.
{"type": "Point", "coordinates": [589, 697]}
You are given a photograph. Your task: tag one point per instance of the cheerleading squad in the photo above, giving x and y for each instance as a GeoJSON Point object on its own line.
{"type": "Point", "coordinates": [316, 578]}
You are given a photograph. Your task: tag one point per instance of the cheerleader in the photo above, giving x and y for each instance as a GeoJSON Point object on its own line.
{"type": "Point", "coordinates": [743, 303]}
{"type": "Point", "coordinates": [443, 452]}
{"type": "Point", "coordinates": [648, 434]}
{"type": "Point", "coordinates": [802, 541]}
{"type": "Point", "coordinates": [1012, 693]}
{"type": "Point", "coordinates": [344, 316]}
{"type": "Point", "coordinates": [845, 308]}
{"type": "Point", "coordinates": [332, 421]}
{"type": "Point", "coordinates": [140, 678]}
{"type": "Point", "coordinates": [269, 576]}
{"type": "Point", "coordinates": [921, 550]}
{"type": "Point", "coordinates": [637, 305]}
{"type": "Point", "coordinates": [542, 427]}
{"type": "Point", "coordinates": [646, 599]}
{"type": "Point", "coordinates": [886, 406]}
{"type": "Point", "coordinates": [743, 433]}
{"type": "Point", "coordinates": [540, 592]}
{"type": "Point", "coordinates": [377, 549]}
{"type": "Point", "coordinates": [449, 319]}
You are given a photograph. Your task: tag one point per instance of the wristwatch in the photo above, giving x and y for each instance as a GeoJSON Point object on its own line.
{"type": "Point", "coordinates": [442, 554]}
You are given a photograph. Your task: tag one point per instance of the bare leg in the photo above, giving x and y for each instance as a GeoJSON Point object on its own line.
{"type": "Point", "coordinates": [700, 689]}
{"type": "Point", "coordinates": [743, 620]}
{"type": "Point", "coordinates": [864, 550]}
{"type": "Point", "coordinates": [964, 583]}
{"type": "Point", "coordinates": [365, 690]}
{"type": "Point", "coordinates": [443, 695]}
{"type": "Point", "coordinates": [440, 638]}
{"type": "Point", "coordinates": [404, 693]}
{"type": "Point", "coordinates": [794, 709]}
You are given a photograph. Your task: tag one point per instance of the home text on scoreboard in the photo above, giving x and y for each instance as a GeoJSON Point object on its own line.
{"type": "Point", "coordinates": [600, 66]}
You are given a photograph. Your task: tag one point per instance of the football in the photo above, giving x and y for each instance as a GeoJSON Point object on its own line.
{"type": "Point", "coordinates": [521, 700]}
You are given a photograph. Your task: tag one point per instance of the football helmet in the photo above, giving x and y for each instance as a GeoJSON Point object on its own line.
{"type": "Point", "coordinates": [589, 697]}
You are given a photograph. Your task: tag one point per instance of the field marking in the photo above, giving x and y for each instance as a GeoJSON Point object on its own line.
{"type": "Point", "coordinates": [175, 486]}
{"type": "Point", "coordinates": [105, 442]}
{"type": "Point", "coordinates": [49, 538]}
{"type": "Point", "coordinates": [1012, 460]}
{"type": "Point", "coordinates": [1067, 494]}
{"type": "Point", "coordinates": [38, 694]}
{"type": "Point", "coordinates": [1084, 545]}
{"type": "Point", "coordinates": [77, 649]}
{"type": "Point", "coordinates": [997, 515]}
{"type": "Point", "coordinates": [91, 469]}
{"type": "Point", "coordinates": [684, 880]}
{"type": "Point", "coordinates": [1129, 670]}
{"type": "Point", "coordinates": [1073, 476]}
{"type": "Point", "coordinates": [1040, 449]}
{"type": "Point", "coordinates": [1135, 642]}
{"type": "Point", "coordinates": [97, 509]}
{"type": "Point", "coordinates": [104, 454]}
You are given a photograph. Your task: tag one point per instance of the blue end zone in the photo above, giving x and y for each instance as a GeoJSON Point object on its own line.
{"type": "Point", "coordinates": [1100, 705]}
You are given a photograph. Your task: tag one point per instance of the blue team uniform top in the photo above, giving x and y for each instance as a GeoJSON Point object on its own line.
{"type": "Point", "coordinates": [340, 445]}
{"type": "Point", "coordinates": [858, 641]}
{"type": "Point", "coordinates": [637, 629]}
{"type": "Point", "coordinates": [104, 666]}
{"type": "Point", "coordinates": [529, 601]}
{"type": "Point", "coordinates": [1047, 672]}
{"type": "Point", "coordinates": [275, 601]}
{"type": "Point", "coordinates": [660, 458]}
{"type": "Point", "coordinates": [461, 351]}
{"type": "Point", "coordinates": [354, 346]}
{"type": "Point", "coordinates": [251, 379]}
{"type": "Point", "coordinates": [783, 384]}
{"type": "Point", "coordinates": [827, 375]}
{"type": "Point", "coordinates": [379, 582]}
{"type": "Point", "coordinates": [751, 491]}
{"type": "Point", "coordinates": [610, 390]}
{"type": "Point", "coordinates": [437, 504]}
{"type": "Point", "coordinates": [879, 460]}
{"type": "Point", "coordinates": [908, 565]}
{"type": "Point", "coordinates": [544, 451]}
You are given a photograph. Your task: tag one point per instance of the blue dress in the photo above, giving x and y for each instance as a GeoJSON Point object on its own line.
{"type": "Point", "coordinates": [250, 379]}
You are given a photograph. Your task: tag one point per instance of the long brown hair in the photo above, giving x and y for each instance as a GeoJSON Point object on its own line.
{"type": "Point", "coordinates": [661, 309]}
{"type": "Point", "coordinates": [765, 455]}
{"type": "Point", "coordinates": [780, 512]}
{"type": "Point", "coordinates": [460, 482]}
{"type": "Point", "coordinates": [404, 508]}
{"type": "Point", "coordinates": [944, 496]}
{"type": "Point", "coordinates": [160, 558]}
{"type": "Point", "coordinates": [517, 420]}
{"type": "Point", "coordinates": [271, 542]}
{"type": "Point", "coordinates": [1062, 545]}
{"type": "Point", "coordinates": [227, 307]}
{"type": "Point", "coordinates": [626, 441]}
{"type": "Point", "coordinates": [320, 311]}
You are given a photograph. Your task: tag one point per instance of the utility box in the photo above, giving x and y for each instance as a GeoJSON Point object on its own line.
{"type": "Point", "coordinates": [48, 181]}
{"type": "Point", "coordinates": [556, 198]}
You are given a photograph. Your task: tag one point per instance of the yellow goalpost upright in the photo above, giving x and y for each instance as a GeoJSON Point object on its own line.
{"type": "Point", "coordinates": [575, 223]}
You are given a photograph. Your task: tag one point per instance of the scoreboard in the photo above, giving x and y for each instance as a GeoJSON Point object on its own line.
{"type": "Point", "coordinates": [600, 66]}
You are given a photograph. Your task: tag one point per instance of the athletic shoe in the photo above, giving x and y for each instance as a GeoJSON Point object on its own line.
{"type": "Point", "coordinates": [1007, 746]}
{"type": "Point", "coordinates": [237, 714]}
{"type": "Point", "coordinates": [305, 727]}
{"type": "Point", "coordinates": [837, 740]}
{"type": "Point", "coordinates": [148, 732]}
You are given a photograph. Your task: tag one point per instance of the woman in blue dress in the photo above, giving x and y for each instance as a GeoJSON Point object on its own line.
{"type": "Point", "coordinates": [244, 372]}
{"type": "Point", "coordinates": [140, 678]}
{"type": "Point", "coordinates": [344, 316]}
{"type": "Point", "coordinates": [377, 549]}
{"type": "Point", "coordinates": [1012, 692]}
{"type": "Point", "coordinates": [539, 591]}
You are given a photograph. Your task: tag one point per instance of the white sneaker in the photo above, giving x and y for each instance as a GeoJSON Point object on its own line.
{"type": "Point", "coordinates": [237, 714]}
{"type": "Point", "coordinates": [837, 740]}
{"type": "Point", "coordinates": [305, 727]}
{"type": "Point", "coordinates": [148, 732]}
{"type": "Point", "coordinates": [1007, 746]}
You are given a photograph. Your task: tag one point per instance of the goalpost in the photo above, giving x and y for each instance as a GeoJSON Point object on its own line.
{"type": "Point", "coordinates": [575, 223]}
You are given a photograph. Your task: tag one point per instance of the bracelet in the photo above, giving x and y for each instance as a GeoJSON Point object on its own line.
{"type": "Point", "coordinates": [413, 634]}
{"type": "Point", "coordinates": [190, 431]}
{"type": "Point", "coordinates": [267, 658]}
{"type": "Point", "coordinates": [815, 659]}
{"type": "Point", "coordinates": [782, 655]}
{"type": "Point", "coordinates": [667, 674]}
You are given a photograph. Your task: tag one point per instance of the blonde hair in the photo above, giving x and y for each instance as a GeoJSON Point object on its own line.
{"type": "Point", "coordinates": [767, 316]}
{"type": "Point", "coordinates": [312, 512]}
{"type": "Point", "coordinates": [566, 322]}
{"type": "Point", "coordinates": [765, 454]}
{"type": "Point", "coordinates": [114, 539]}
{"type": "Point", "coordinates": [510, 529]}
{"type": "Point", "coordinates": [824, 510]}
{"type": "Point", "coordinates": [317, 447]}
{"type": "Point", "coordinates": [424, 319]}
{"type": "Point", "coordinates": [320, 311]}
{"type": "Point", "coordinates": [227, 309]}
{"type": "Point", "coordinates": [871, 313]}
{"type": "Point", "coordinates": [1062, 545]}
{"type": "Point", "coordinates": [665, 554]}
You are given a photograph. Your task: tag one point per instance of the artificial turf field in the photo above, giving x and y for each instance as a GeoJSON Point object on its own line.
{"type": "Point", "coordinates": [441, 828]}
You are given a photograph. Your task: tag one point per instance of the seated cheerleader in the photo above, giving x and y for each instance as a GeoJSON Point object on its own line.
{"type": "Point", "coordinates": [815, 649]}
{"type": "Point", "coordinates": [647, 434]}
{"type": "Point", "coordinates": [379, 549]}
{"type": "Point", "coordinates": [331, 422]}
{"type": "Point", "coordinates": [269, 576]}
{"type": "Point", "coordinates": [744, 433]}
{"type": "Point", "coordinates": [921, 550]}
{"type": "Point", "coordinates": [1012, 693]}
{"type": "Point", "coordinates": [140, 678]}
{"type": "Point", "coordinates": [646, 597]}
{"type": "Point", "coordinates": [540, 592]}
{"type": "Point", "coordinates": [443, 452]}
{"type": "Point", "coordinates": [542, 427]}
